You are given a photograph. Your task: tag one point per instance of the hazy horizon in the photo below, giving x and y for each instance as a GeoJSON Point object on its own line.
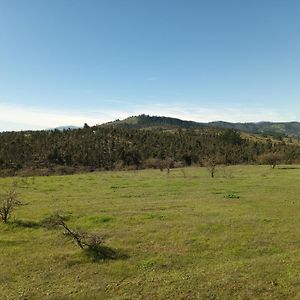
{"type": "Point", "coordinates": [72, 126]}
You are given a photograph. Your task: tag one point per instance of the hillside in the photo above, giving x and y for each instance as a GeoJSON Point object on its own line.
{"type": "Point", "coordinates": [146, 121]}
{"type": "Point", "coordinates": [291, 129]}
{"type": "Point", "coordinates": [111, 148]}
{"type": "Point", "coordinates": [267, 128]}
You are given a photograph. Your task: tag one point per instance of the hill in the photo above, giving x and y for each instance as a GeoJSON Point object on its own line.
{"type": "Point", "coordinates": [111, 148]}
{"type": "Point", "coordinates": [291, 129]}
{"type": "Point", "coordinates": [67, 127]}
{"type": "Point", "coordinates": [126, 144]}
{"type": "Point", "coordinates": [146, 122]}
{"type": "Point", "coordinates": [266, 128]}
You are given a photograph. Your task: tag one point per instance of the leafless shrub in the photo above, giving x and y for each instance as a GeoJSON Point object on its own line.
{"type": "Point", "coordinates": [91, 243]}
{"type": "Point", "coordinates": [272, 159]}
{"type": "Point", "coordinates": [210, 162]}
{"type": "Point", "coordinates": [8, 202]}
{"type": "Point", "coordinates": [168, 164]}
{"type": "Point", "coordinates": [183, 172]}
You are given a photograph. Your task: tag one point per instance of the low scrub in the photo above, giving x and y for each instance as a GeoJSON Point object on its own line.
{"type": "Point", "coordinates": [8, 202]}
{"type": "Point", "coordinates": [90, 243]}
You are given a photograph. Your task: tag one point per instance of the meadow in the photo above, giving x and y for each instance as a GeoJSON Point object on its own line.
{"type": "Point", "coordinates": [235, 236]}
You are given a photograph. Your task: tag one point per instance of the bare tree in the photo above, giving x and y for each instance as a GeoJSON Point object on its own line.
{"type": "Point", "coordinates": [8, 202]}
{"type": "Point", "coordinates": [272, 159]}
{"type": "Point", "coordinates": [211, 162]}
{"type": "Point", "coordinates": [183, 172]}
{"type": "Point", "coordinates": [169, 163]}
{"type": "Point", "coordinates": [82, 239]}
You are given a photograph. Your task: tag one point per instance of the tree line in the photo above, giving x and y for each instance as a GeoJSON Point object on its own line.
{"type": "Point", "coordinates": [108, 148]}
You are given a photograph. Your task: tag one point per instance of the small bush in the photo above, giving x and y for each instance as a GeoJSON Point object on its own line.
{"type": "Point", "coordinates": [90, 243]}
{"type": "Point", "coordinates": [232, 196]}
{"type": "Point", "coordinates": [8, 202]}
{"type": "Point", "coordinates": [272, 159]}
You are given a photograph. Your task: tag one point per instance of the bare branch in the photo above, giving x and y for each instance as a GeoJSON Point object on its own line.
{"type": "Point", "coordinates": [8, 202]}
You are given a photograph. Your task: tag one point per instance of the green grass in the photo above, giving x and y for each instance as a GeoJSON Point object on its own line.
{"type": "Point", "coordinates": [178, 238]}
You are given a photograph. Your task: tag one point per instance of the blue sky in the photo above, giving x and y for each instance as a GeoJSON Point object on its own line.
{"type": "Point", "coordinates": [66, 62]}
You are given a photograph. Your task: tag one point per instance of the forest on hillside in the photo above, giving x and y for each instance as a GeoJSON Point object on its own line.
{"type": "Point", "coordinates": [109, 148]}
{"type": "Point", "coordinates": [277, 130]}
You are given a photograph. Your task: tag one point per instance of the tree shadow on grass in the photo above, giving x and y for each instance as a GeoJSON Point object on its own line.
{"type": "Point", "coordinates": [12, 243]}
{"type": "Point", "coordinates": [101, 253]}
{"type": "Point", "coordinates": [288, 168]}
{"type": "Point", "coordinates": [26, 223]}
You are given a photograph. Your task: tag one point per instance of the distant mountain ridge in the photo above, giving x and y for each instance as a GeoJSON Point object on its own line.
{"type": "Point", "coordinates": [291, 129]}
{"type": "Point", "coordinates": [146, 121]}
{"type": "Point", "coordinates": [268, 128]}
{"type": "Point", "coordinates": [67, 127]}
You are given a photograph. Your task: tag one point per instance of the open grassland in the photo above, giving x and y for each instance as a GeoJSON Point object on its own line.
{"type": "Point", "coordinates": [235, 236]}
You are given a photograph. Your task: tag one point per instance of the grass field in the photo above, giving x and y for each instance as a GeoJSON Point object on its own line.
{"type": "Point", "coordinates": [236, 236]}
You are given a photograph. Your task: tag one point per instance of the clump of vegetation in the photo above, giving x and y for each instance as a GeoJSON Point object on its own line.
{"type": "Point", "coordinates": [8, 202]}
{"type": "Point", "coordinates": [90, 243]}
{"type": "Point", "coordinates": [122, 148]}
{"type": "Point", "coordinates": [211, 162]}
{"type": "Point", "coordinates": [232, 196]}
{"type": "Point", "coordinates": [272, 159]}
{"type": "Point", "coordinates": [82, 239]}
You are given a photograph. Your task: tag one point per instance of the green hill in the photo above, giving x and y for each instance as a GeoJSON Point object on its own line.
{"type": "Point", "coordinates": [266, 128]}
{"type": "Point", "coordinates": [146, 121]}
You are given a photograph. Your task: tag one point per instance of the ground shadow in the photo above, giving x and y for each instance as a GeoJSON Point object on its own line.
{"type": "Point", "coordinates": [12, 243]}
{"type": "Point", "coordinates": [100, 253]}
{"type": "Point", "coordinates": [26, 223]}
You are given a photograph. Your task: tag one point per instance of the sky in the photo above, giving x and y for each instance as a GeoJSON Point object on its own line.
{"type": "Point", "coordinates": [70, 62]}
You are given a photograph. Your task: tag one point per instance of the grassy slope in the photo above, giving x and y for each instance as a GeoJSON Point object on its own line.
{"type": "Point", "coordinates": [183, 239]}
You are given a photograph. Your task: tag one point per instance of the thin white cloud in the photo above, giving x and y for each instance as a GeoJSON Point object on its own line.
{"type": "Point", "coordinates": [216, 113]}
{"type": "Point", "coordinates": [15, 117]}
{"type": "Point", "coordinates": [40, 118]}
